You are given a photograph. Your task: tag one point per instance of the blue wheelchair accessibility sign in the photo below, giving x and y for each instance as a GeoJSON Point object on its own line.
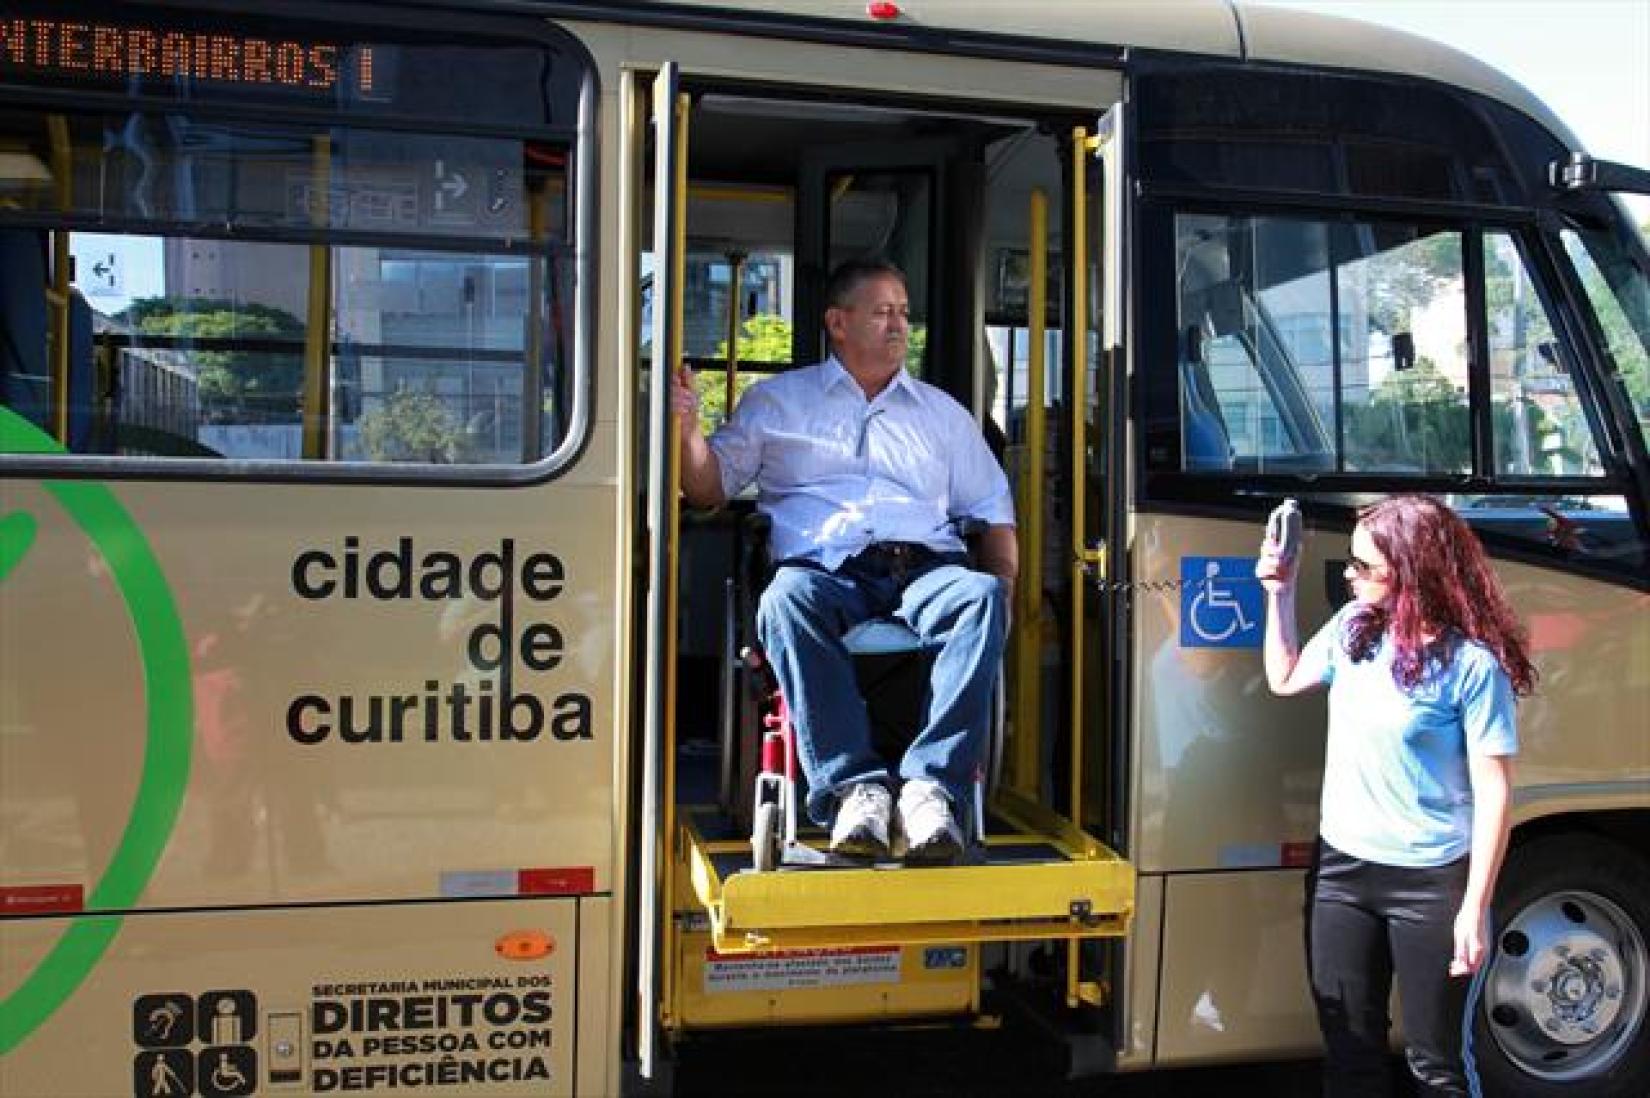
{"type": "Point", "coordinates": [1222, 604]}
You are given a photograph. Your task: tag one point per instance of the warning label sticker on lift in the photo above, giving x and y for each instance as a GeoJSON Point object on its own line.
{"type": "Point", "coordinates": [801, 968]}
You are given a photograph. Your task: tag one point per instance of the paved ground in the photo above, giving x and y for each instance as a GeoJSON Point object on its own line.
{"type": "Point", "coordinates": [912, 1064]}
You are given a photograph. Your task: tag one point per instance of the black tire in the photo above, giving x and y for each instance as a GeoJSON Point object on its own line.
{"type": "Point", "coordinates": [1562, 1011]}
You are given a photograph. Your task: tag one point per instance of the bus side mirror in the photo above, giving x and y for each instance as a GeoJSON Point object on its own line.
{"type": "Point", "coordinates": [1403, 351]}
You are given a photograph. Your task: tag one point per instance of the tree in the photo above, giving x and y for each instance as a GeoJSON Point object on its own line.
{"type": "Point", "coordinates": [235, 386]}
{"type": "Point", "coordinates": [764, 338]}
{"type": "Point", "coordinates": [1415, 421]}
{"type": "Point", "coordinates": [412, 426]}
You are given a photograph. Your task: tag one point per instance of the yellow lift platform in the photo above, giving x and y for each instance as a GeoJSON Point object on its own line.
{"type": "Point", "coordinates": [1038, 878]}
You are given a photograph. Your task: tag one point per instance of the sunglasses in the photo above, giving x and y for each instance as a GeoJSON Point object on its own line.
{"type": "Point", "coordinates": [1363, 568]}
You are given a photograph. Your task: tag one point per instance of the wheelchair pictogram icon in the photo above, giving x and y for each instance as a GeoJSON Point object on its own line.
{"type": "Point", "coordinates": [1221, 603]}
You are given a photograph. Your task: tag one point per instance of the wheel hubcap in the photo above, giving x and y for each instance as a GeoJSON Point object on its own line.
{"type": "Point", "coordinates": [1565, 994]}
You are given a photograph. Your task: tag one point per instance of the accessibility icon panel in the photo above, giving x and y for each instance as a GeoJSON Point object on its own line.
{"type": "Point", "coordinates": [166, 1027]}
{"type": "Point", "coordinates": [1222, 604]}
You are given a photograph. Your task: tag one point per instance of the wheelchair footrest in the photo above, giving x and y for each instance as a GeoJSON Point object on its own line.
{"type": "Point", "coordinates": [1038, 877]}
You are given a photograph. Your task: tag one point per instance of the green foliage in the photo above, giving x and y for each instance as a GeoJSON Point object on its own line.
{"type": "Point", "coordinates": [1415, 421]}
{"type": "Point", "coordinates": [412, 426]}
{"type": "Point", "coordinates": [764, 338]}
{"type": "Point", "coordinates": [916, 350]}
{"type": "Point", "coordinates": [1626, 345]}
{"type": "Point", "coordinates": [235, 386]}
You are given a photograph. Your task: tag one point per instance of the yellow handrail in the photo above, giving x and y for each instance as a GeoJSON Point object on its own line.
{"type": "Point", "coordinates": [317, 399]}
{"type": "Point", "coordinates": [57, 128]}
{"type": "Point", "coordinates": [736, 282]}
{"type": "Point", "coordinates": [1028, 737]}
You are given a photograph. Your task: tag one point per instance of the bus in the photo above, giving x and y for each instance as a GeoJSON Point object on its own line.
{"type": "Point", "coordinates": [373, 716]}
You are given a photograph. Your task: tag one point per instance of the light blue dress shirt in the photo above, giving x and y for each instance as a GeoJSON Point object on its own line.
{"type": "Point", "coordinates": [1396, 788]}
{"type": "Point", "coordinates": [836, 472]}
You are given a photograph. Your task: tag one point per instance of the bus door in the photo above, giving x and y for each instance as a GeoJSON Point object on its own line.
{"type": "Point", "coordinates": [728, 940]}
{"type": "Point", "coordinates": [1089, 784]}
{"type": "Point", "coordinates": [666, 121]}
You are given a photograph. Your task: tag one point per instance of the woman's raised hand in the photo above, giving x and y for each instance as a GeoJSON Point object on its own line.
{"type": "Point", "coordinates": [1275, 572]}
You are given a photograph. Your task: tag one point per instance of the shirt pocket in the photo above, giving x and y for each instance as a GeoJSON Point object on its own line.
{"type": "Point", "coordinates": [807, 455]}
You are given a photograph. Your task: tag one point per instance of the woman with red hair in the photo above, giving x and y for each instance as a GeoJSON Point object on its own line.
{"type": "Point", "coordinates": [1423, 667]}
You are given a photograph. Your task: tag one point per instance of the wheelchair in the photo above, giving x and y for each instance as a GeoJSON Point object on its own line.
{"type": "Point", "coordinates": [891, 663]}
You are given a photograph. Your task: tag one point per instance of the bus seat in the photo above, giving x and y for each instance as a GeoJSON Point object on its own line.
{"type": "Point", "coordinates": [1205, 442]}
{"type": "Point", "coordinates": [25, 373]}
{"type": "Point", "coordinates": [881, 637]}
{"type": "Point", "coordinates": [25, 381]}
{"type": "Point", "coordinates": [82, 374]}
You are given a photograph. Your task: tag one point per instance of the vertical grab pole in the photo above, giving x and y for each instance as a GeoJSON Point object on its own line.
{"type": "Point", "coordinates": [1028, 738]}
{"type": "Point", "coordinates": [317, 400]}
{"type": "Point", "coordinates": [736, 283]}
{"type": "Point", "coordinates": [538, 274]}
{"type": "Point", "coordinates": [57, 128]}
{"type": "Point", "coordinates": [1077, 346]}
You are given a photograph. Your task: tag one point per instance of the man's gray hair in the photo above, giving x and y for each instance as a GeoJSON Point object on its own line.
{"type": "Point", "coordinates": [846, 280]}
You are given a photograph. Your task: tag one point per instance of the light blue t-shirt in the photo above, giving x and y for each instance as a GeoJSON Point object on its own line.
{"type": "Point", "coordinates": [1396, 789]}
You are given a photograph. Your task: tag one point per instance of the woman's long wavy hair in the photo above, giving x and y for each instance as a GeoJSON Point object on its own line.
{"type": "Point", "coordinates": [1441, 583]}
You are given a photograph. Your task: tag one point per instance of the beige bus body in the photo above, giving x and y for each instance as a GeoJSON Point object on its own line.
{"type": "Point", "coordinates": [434, 906]}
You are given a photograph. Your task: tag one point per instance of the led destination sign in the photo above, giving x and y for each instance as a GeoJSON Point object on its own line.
{"type": "Point", "coordinates": [80, 50]}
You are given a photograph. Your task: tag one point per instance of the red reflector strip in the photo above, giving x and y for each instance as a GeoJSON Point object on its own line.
{"type": "Point", "coordinates": [572, 880]}
{"type": "Point", "coordinates": [1297, 855]}
{"type": "Point", "coordinates": [802, 954]}
{"type": "Point", "coordinates": [41, 899]}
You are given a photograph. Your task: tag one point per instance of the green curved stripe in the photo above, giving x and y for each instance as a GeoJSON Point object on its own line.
{"type": "Point", "coordinates": [16, 535]}
{"type": "Point", "coordinates": [169, 739]}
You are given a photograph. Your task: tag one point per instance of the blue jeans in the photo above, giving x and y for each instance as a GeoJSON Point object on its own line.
{"type": "Point", "coordinates": [960, 614]}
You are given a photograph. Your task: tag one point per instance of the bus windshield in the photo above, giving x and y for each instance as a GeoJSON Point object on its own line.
{"type": "Point", "coordinates": [1619, 292]}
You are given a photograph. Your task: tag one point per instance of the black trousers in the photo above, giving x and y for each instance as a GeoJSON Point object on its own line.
{"type": "Point", "coordinates": [1367, 923]}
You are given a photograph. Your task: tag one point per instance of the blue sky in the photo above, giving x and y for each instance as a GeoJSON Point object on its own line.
{"type": "Point", "coordinates": [1589, 60]}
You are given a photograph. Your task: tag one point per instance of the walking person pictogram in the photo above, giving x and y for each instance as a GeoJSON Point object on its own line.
{"type": "Point", "coordinates": [163, 1074]}
{"type": "Point", "coordinates": [162, 1079]}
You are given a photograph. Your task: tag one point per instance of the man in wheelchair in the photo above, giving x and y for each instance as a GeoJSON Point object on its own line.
{"type": "Point", "coordinates": [865, 474]}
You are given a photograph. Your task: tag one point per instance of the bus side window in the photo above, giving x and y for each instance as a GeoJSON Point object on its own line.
{"type": "Point", "coordinates": [1254, 362]}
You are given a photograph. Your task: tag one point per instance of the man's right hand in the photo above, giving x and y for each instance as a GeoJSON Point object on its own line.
{"type": "Point", "coordinates": [701, 473]}
{"type": "Point", "coordinates": [684, 400]}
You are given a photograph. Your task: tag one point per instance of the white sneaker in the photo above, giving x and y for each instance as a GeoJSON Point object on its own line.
{"type": "Point", "coordinates": [861, 827]}
{"type": "Point", "coordinates": [931, 833]}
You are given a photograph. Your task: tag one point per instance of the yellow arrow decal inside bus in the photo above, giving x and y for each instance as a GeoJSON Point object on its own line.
{"type": "Point", "coordinates": [170, 720]}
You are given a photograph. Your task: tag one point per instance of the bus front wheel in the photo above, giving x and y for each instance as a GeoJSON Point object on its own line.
{"type": "Point", "coordinates": [1562, 1009]}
